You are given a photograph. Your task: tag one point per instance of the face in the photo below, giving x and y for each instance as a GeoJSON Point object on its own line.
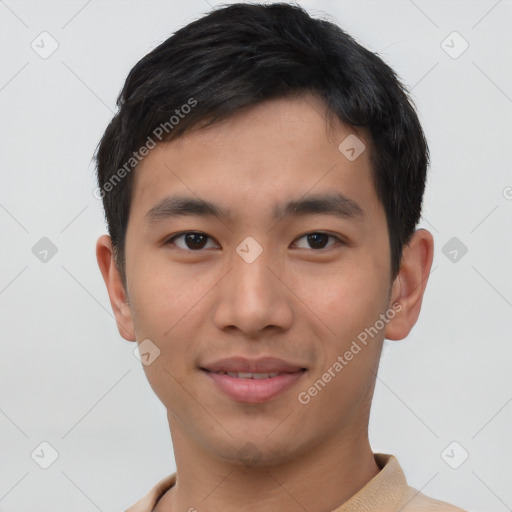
{"type": "Point", "coordinates": [253, 279]}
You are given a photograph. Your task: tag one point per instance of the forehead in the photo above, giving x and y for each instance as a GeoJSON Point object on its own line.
{"type": "Point", "coordinates": [281, 148]}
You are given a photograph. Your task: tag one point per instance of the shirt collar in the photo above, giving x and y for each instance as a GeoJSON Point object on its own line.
{"type": "Point", "coordinates": [384, 492]}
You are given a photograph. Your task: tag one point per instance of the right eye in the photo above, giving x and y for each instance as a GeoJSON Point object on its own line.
{"type": "Point", "coordinates": [190, 240]}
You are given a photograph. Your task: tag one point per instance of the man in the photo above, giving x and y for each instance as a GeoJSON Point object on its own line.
{"type": "Point", "coordinates": [262, 181]}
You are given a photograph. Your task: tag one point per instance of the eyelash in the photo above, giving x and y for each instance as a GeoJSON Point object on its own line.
{"type": "Point", "coordinates": [171, 239]}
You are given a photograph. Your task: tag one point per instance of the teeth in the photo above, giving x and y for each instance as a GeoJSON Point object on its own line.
{"type": "Point", "coordinates": [247, 375]}
{"type": "Point", "coordinates": [242, 375]}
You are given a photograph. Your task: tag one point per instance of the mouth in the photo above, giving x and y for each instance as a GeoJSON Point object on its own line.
{"type": "Point", "coordinates": [253, 387]}
{"type": "Point", "coordinates": [250, 375]}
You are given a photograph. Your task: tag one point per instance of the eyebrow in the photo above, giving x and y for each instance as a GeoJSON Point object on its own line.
{"type": "Point", "coordinates": [335, 204]}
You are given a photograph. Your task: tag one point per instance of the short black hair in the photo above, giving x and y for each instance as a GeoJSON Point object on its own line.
{"type": "Point", "coordinates": [239, 55]}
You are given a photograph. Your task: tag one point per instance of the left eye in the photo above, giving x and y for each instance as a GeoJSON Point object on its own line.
{"type": "Point", "coordinates": [318, 240]}
{"type": "Point", "coordinates": [195, 241]}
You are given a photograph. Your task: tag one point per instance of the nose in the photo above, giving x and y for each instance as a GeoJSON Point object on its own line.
{"type": "Point", "coordinates": [253, 297]}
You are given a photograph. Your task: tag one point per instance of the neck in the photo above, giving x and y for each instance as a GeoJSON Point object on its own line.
{"type": "Point", "coordinates": [321, 478]}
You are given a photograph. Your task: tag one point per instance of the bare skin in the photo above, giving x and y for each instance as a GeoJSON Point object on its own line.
{"type": "Point", "coordinates": [297, 301]}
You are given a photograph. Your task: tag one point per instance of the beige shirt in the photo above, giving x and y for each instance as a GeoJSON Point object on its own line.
{"type": "Point", "coordinates": [387, 491]}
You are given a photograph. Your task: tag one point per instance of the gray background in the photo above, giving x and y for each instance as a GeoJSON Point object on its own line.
{"type": "Point", "coordinates": [69, 379]}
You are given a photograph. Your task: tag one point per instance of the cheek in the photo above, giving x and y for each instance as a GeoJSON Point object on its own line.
{"type": "Point", "coordinates": [347, 302]}
{"type": "Point", "coordinates": [167, 312]}
{"type": "Point", "coordinates": [169, 305]}
{"type": "Point", "coordinates": [164, 296]}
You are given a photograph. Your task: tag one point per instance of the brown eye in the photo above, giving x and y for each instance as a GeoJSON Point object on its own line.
{"type": "Point", "coordinates": [190, 240]}
{"type": "Point", "coordinates": [318, 240]}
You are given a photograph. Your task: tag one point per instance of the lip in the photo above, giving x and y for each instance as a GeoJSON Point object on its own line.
{"type": "Point", "coordinates": [254, 391]}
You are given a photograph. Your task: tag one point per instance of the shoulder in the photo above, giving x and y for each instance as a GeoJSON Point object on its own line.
{"type": "Point", "coordinates": [148, 502]}
{"type": "Point", "coordinates": [415, 501]}
{"type": "Point", "coordinates": [391, 486]}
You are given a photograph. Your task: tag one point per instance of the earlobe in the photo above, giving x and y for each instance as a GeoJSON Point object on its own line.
{"type": "Point", "coordinates": [410, 284]}
{"type": "Point", "coordinates": [115, 288]}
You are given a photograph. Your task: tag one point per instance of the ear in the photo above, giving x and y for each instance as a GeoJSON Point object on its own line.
{"type": "Point", "coordinates": [115, 288]}
{"type": "Point", "coordinates": [410, 283]}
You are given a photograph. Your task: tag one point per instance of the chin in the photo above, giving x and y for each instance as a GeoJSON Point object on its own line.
{"type": "Point", "coordinates": [252, 452]}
